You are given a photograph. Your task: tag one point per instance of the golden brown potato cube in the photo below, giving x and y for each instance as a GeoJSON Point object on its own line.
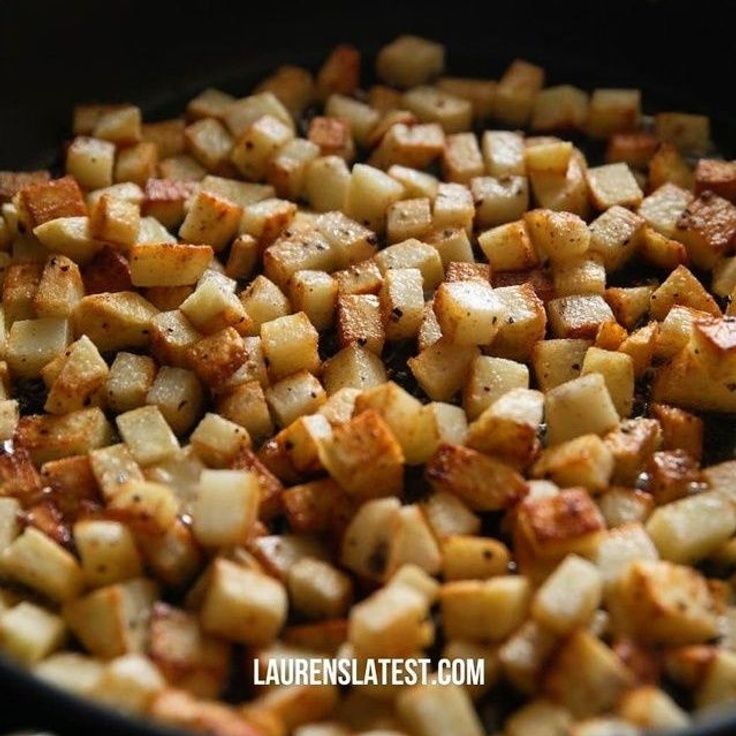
{"type": "Point", "coordinates": [315, 294]}
{"type": "Point", "coordinates": [107, 552]}
{"type": "Point", "coordinates": [164, 199]}
{"type": "Point", "coordinates": [452, 244]}
{"type": "Point", "coordinates": [509, 427]}
{"type": "Point", "coordinates": [680, 429]}
{"type": "Point", "coordinates": [578, 316]}
{"type": "Point", "coordinates": [613, 184]}
{"type": "Point", "coordinates": [258, 144]}
{"type": "Point", "coordinates": [60, 288]}
{"type": "Point", "coordinates": [326, 183]}
{"type": "Point", "coordinates": [498, 201]}
{"type": "Point", "coordinates": [287, 170]}
{"type": "Point", "coordinates": [361, 118]}
{"type": "Point", "coordinates": [562, 107]}
{"type": "Point", "coordinates": [613, 111]}
{"type": "Point", "coordinates": [484, 610]}
{"type": "Point", "coordinates": [681, 288]}
{"type": "Point", "coordinates": [473, 558]}
{"type": "Point", "coordinates": [318, 590]}
{"type": "Point", "coordinates": [410, 218]}
{"type": "Point", "coordinates": [410, 60]}
{"type": "Point", "coordinates": [243, 256]}
{"type": "Point", "coordinates": [467, 271]}
{"type": "Point", "coordinates": [292, 85]}
{"type": "Point", "coordinates": [617, 369]}
{"type": "Point", "coordinates": [263, 301]}
{"type": "Point", "coordinates": [482, 482]}
{"type": "Point", "coordinates": [168, 264]}
{"type": "Point", "coordinates": [243, 605]}
{"type": "Point", "coordinates": [660, 602]}
{"type": "Point", "coordinates": [246, 405]}
{"type": "Point", "coordinates": [508, 247]}
{"type": "Point", "coordinates": [629, 304]}
{"type": "Point", "coordinates": [208, 103]}
{"type": "Point", "coordinates": [413, 253]}
{"type": "Point", "coordinates": [481, 93]}
{"type": "Point", "coordinates": [453, 207]}
{"type": "Point", "coordinates": [294, 396]}
{"type": "Point", "coordinates": [469, 312]}
{"type": "Point", "coordinates": [359, 321]}
{"type": "Point", "coordinates": [441, 368]}
{"type": "Point", "coordinates": [353, 367]}
{"type": "Point", "coordinates": [241, 114]}
{"type": "Point", "coordinates": [503, 153]}
{"type": "Point", "coordinates": [112, 620]}
{"type": "Point", "coordinates": [34, 343]}
{"type": "Point", "coordinates": [211, 220]}
{"type": "Point", "coordinates": [90, 161]}
{"type": "Point", "coordinates": [586, 676]}
{"type": "Point", "coordinates": [547, 158]}
{"type": "Point", "coordinates": [434, 709]}
{"type": "Point", "coordinates": [181, 167]}
{"type": "Point", "coordinates": [298, 251]}
{"type": "Point", "coordinates": [43, 201]}
{"type": "Point", "coordinates": [557, 235]}
{"type": "Point", "coordinates": [369, 195]}
{"type": "Point", "coordinates": [580, 275]}
{"type": "Point", "coordinates": [147, 435]}
{"type": "Point", "coordinates": [11, 182]}
{"type": "Point", "coordinates": [489, 379]}
{"type": "Point", "coordinates": [461, 159]}
{"type": "Point", "coordinates": [210, 143]}
{"type": "Point", "coordinates": [632, 445]}
{"type": "Point", "coordinates": [635, 149]}
{"type": "Point", "coordinates": [137, 163]}
{"type": "Point", "coordinates": [83, 374]}
{"type": "Point", "coordinates": [172, 336]}
{"type": "Point", "coordinates": [615, 236]}
{"type": "Point", "coordinates": [364, 457]}
{"type": "Point", "coordinates": [516, 92]}
{"type": "Point", "coordinates": [35, 560]}
{"type": "Point", "coordinates": [185, 655]}
{"type": "Point", "coordinates": [128, 381]}
{"type": "Point", "coordinates": [217, 441]}
{"type": "Point", "coordinates": [672, 475]}
{"type": "Point", "coordinates": [351, 242]}
{"type": "Point", "coordinates": [30, 633]}
{"type": "Point", "coordinates": [167, 135]}
{"type": "Point", "coordinates": [433, 105]}
{"type": "Point", "coordinates": [178, 394]}
{"type": "Point", "coordinates": [215, 358]}
{"type": "Point", "coordinates": [290, 345]}
{"type": "Point", "coordinates": [114, 321]}
{"type": "Point", "coordinates": [340, 72]}
{"type": "Point", "coordinates": [120, 124]}
{"type": "Point", "coordinates": [690, 133]}
{"type": "Point", "coordinates": [148, 508]}
{"type": "Point", "coordinates": [19, 289]}
{"type": "Point", "coordinates": [663, 208]}
{"type": "Point", "coordinates": [332, 136]}
{"type": "Point", "coordinates": [584, 461]}
{"type": "Point", "coordinates": [401, 303]}
{"type": "Point", "coordinates": [577, 407]}
{"type": "Point", "coordinates": [212, 308]}
{"type": "Point", "coordinates": [716, 176]}
{"type": "Point", "coordinates": [707, 227]}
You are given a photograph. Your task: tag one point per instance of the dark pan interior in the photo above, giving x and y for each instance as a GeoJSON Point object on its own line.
{"type": "Point", "coordinates": [159, 54]}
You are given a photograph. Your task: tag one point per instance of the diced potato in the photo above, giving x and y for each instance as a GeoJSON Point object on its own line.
{"type": "Point", "coordinates": [326, 183]}
{"type": "Point", "coordinates": [613, 111]}
{"type": "Point", "coordinates": [586, 676]}
{"type": "Point", "coordinates": [147, 435]}
{"type": "Point", "coordinates": [169, 264]}
{"type": "Point", "coordinates": [107, 552]}
{"type": "Point", "coordinates": [34, 343]}
{"type": "Point", "coordinates": [508, 247]}
{"type": "Point", "coordinates": [453, 207]}
{"type": "Point", "coordinates": [360, 117]}
{"type": "Point", "coordinates": [211, 308]}
{"type": "Point", "coordinates": [613, 184]}
{"type": "Point", "coordinates": [37, 561]}
{"type": "Point", "coordinates": [690, 133]}
{"type": "Point", "coordinates": [577, 407]}
{"type": "Point", "coordinates": [681, 288]}
{"type": "Point", "coordinates": [128, 683]}
{"type": "Point", "coordinates": [60, 288]}
{"type": "Point", "coordinates": [290, 345]}
{"type": "Point", "coordinates": [77, 673]}
{"type": "Point", "coordinates": [294, 396]}
{"type": "Point", "coordinates": [121, 125]}
{"type": "Point", "coordinates": [578, 316]}
{"type": "Point", "coordinates": [615, 236]}
{"type": "Point", "coordinates": [584, 461]}
{"type": "Point", "coordinates": [540, 716]}
{"type": "Point", "coordinates": [484, 610]}
{"type": "Point", "coordinates": [211, 220]}
{"type": "Point", "coordinates": [242, 605]}
{"type": "Point", "coordinates": [687, 530]}
{"type": "Point", "coordinates": [178, 394]}
{"type": "Point", "coordinates": [402, 303]}
{"type": "Point", "coordinates": [501, 200]}
{"type": "Point", "coordinates": [369, 195]}
{"type": "Point", "coordinates": [407, 143]}
{"type": "Point", "coordinates": [409, 218]}
{"type": "Point", "coordinates": [562, 107]}
{"type": "Point", "coordinates": [433, 105]}
{"type": "Point", "coordinates": [469, 312]}
{"type": "Point", "coordinates": [410, 60]}
{"type": "Point", "coordinates": [319, 590]}
{"type": "Point", "coordinates": [441, 368]}
{"type": "Point", "coordinates": [90, 161]}
{"type": "Point", "coordinates": [509, 427]}
{"type": "Point", "coordinates": [353, 367]}
{"type": "Point", "coordinates": [617, 369]}
{"type": "Point", "coordinates": [462, 159]}
{"type": "Point", "coordinates": [146, 506]}
{"type": "Point", "coordinates": [29, 633]}
{"type": "Point", "coordinates": [483, 483]}
{"type": "Point", "coordinates": [431, 710]}
{"type": "Point", "coordinates": [364, 457]}
{"type": "Point", "coordinates": [517, 91]}
{"type": "Point", "coordinates": [706, 227]}
{"type": "Point", "coordinates": [489, 379]}
{"type": "Point", "coordinates": [413, 253]}
{"type": "Point", "coordinates": [664, 603]}
{"type": "Point", "coordinates": [469, 558]}
{"type": "Point", "coordinates": [557, 235]}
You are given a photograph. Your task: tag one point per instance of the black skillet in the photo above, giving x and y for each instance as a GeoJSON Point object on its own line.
{"type": "Point", "coordinates": [159, 54]}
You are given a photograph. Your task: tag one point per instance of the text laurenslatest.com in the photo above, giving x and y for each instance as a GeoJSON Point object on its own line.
{"type": "Point", "coordinates": [288, 671]}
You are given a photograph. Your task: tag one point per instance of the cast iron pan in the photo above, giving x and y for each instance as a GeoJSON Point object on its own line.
{"type": "Point", "coordinates": [159, 54]}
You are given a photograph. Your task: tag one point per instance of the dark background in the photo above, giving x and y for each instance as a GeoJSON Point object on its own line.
{"type": "Point", "coordinates": [158, 54]}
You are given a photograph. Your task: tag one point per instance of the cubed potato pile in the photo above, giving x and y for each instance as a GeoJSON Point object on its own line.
{"type": "Point", "coordinates": [373, 372]}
